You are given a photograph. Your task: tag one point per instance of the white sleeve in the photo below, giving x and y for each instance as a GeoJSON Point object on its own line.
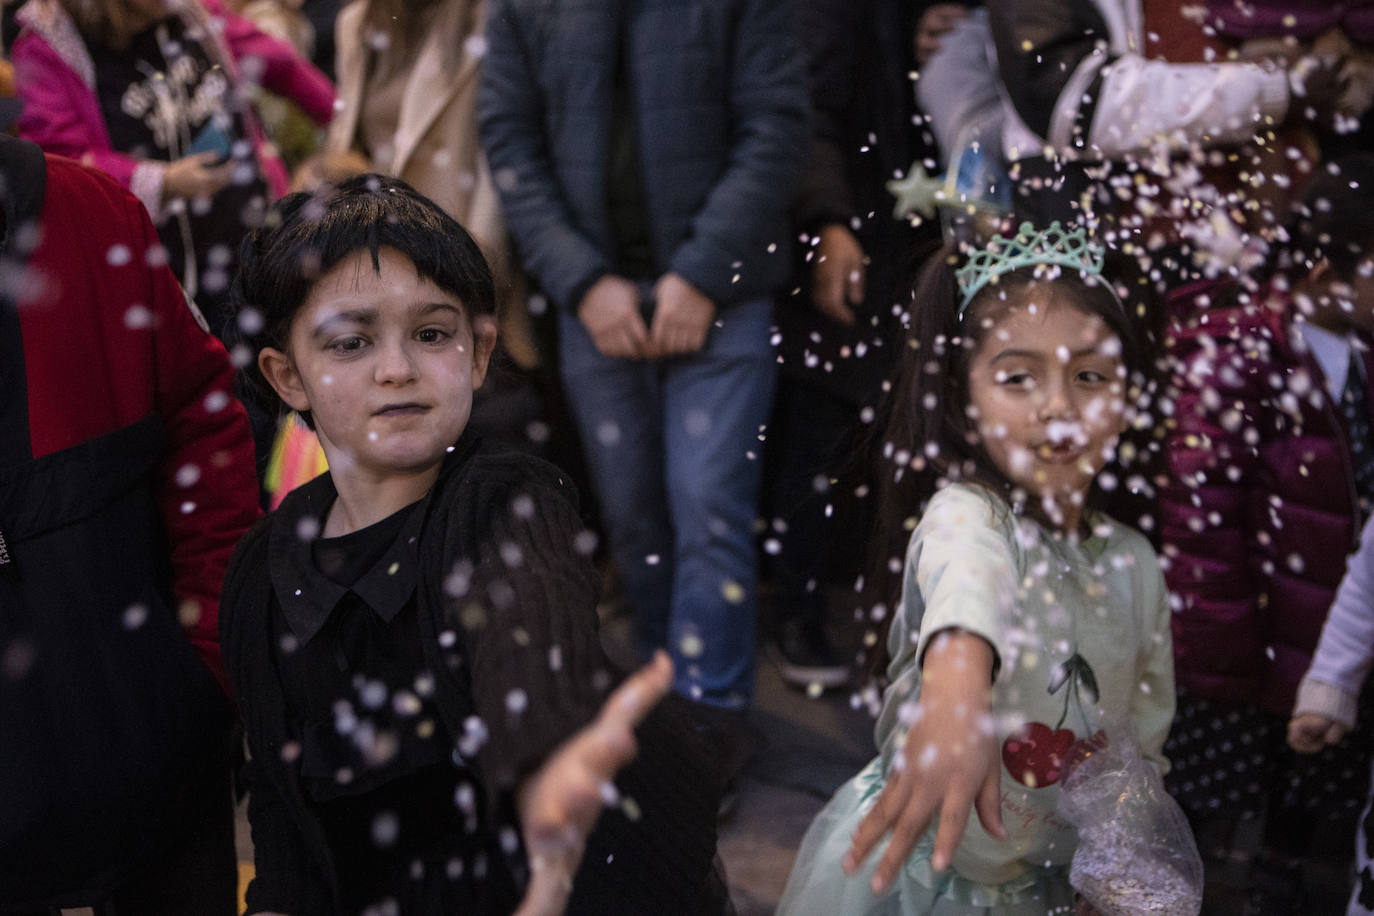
{"type": "Point", "coordinates": [1148, 102]}
{"type": "Point", "coordinates": [1153, 699]}
{"type": "Point", "coordinates": [1345, 652]}
{"type": "Point", "coordinates": [961, 568]}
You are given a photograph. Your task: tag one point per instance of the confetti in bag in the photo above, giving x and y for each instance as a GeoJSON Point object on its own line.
{"type": "Point", "coordinates": [1135, 853]}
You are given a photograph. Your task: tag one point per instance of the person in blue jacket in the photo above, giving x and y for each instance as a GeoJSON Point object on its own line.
{"type": "Point", "coordinates": [646, 154]}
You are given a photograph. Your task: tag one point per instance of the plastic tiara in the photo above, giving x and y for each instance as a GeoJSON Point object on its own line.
{"type": "Point", "coordinates": [1052, 247]}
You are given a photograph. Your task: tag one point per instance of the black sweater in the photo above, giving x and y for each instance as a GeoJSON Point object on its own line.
{"type": "Point", "coordinates": [506, 594]}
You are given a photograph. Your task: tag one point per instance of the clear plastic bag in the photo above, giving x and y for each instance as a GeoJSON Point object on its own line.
{"type": "Point", "coordinates": [1136, 852]}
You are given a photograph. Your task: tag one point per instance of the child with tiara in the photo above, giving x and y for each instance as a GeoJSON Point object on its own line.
{"type": "Point", "coordinates": [1027, 620]}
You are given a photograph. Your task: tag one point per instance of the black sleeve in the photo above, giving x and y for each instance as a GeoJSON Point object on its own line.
{"type": "Point", "coordinates": [283, 866]}
{"type": "Point", "coordinates": [662, 859]}
{"type": "Point", "coordinates": [511, 124]}
{"type": "Point", "coordinates": [1040, 44]}
{"type": "Point", "coordinates": [830, 29]}
{"type": "Point", "coordinates": [280, 859]}
{"type": "Point", "coordinates": [538, 673]}
{"type": "Point", "coordinates": [528, 609]}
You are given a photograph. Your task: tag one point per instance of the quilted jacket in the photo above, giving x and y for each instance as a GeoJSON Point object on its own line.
{"type": "Point", "coordinates": [720, 102]}
{"type": "Point", "coordinates": [1260, 511]}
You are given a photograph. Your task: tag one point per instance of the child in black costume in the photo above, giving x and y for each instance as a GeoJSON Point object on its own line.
{"type": "Point", "coordinates": [412, 636]}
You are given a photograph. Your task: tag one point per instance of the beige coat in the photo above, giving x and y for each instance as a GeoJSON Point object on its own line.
{"type": "Point", "coordinates": [436, 149]}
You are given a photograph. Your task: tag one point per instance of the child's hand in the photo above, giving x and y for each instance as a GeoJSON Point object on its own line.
{"type": "Point", "coordinates": [1309, 732]}
{"type": "Point", "coordinates": [559, 803]}
{"type": "Point", "coordinates": [950, 763]}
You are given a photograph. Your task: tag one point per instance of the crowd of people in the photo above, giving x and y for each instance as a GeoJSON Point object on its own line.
{"type": "Point", "coordinates": [1007, 364]}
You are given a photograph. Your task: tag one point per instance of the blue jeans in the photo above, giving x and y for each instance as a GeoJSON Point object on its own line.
{"type": "Point", "coordinates": [674, 448]}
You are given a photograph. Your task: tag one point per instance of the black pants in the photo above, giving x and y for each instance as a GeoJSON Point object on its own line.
{"type": "Point", "coordinates": [195, 872]}
{"type": "Point", "coordinates": [811, 432]}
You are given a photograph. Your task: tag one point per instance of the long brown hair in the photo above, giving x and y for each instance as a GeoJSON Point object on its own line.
{"type": "Point", "coordinates": [402, 23]}
{"type": "Point", "coordinates": [108, 23]}
{"type": "Point", "coordinates": [926, 438]}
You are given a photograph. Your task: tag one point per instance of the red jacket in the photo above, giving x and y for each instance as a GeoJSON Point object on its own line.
{"type": "Point", "coordinates": [1260, 510]}
{"type": "Point", "coordinates": [126, 478]}
{"type": "Point", "coordinates": [108, 342]}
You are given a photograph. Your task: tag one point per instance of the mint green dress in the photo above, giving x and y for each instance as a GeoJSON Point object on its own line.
{"type": "Point", "coordinates": [1081, 632]}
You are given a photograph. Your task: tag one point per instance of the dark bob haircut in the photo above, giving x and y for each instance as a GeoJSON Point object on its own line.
{"type": "Point", "coordinates": [305, 235]}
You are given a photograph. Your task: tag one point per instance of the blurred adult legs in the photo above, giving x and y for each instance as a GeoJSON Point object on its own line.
{"type": "Point", "coordinates": [674, 448]}
{"type": "Point", "coordinates": [716, 407]}
{"type": "Point", "coordinates": [617, 404]}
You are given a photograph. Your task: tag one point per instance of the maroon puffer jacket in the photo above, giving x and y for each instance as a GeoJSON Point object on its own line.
{"type": "Point", "coordinates": [1260, 510]}
{"type": "Point", "coordinates": [1301, 19]}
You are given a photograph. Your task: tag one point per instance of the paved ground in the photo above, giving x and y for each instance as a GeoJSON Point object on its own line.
{"type": "Point", "coordinates": [808, 746]}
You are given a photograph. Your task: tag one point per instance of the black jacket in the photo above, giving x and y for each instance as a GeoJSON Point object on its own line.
{"type": "Point", "coordinates": [500, 583]}
{"type": "Point", "coordinates": [121, 497]}
{"type": "Point", "coordinates": [865, 131]}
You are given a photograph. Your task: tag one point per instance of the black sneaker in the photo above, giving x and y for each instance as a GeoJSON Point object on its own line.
{"type": "Point", "coordinates": [1274, 890]}
{"type": "Point", "coordinates": [733, 742]}
{"type": "Point", "coordinates": [806, 659]}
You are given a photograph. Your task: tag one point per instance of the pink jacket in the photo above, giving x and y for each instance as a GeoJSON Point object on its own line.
{"type": "Point", "coordinates": [55, 78]}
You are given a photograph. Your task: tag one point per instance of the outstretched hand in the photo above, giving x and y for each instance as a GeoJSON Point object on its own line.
{"type": "Point", "coordinates": [949, 764]}
{"type": "Point", "coordinates": [1315, 83]}
{"type": "Point", "coordinates": [560, 802]}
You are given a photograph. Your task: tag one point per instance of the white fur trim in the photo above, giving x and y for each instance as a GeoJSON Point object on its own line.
{"type": "Point", "coordinates": [50, 21]}
{"type": "Point", "coordinates": [146, 185]}
{"type": "Point", "coordinates": [1327, 700]}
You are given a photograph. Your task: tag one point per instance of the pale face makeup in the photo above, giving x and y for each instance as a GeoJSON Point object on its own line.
{"type": "Point", "coordinates": [386, 362]}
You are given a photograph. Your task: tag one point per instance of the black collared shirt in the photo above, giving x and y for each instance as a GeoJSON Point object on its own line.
{"type": "Point", "coordinates": [350, 655]}
{"type": "Point", "coordinates": [374, 753]}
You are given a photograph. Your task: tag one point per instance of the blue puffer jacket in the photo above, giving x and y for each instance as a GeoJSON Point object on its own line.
{"type": "Point", "coordinates": [720, 98]}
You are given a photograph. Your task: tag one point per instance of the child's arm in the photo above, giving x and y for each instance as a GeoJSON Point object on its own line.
{"type": "Point", "coordinates": [285, 878]}
{"type": "Point", "coordinates": [527, 609]}
{"type": "Point", "coordinates": [1070, 89]}
{"type": "Point", "coordinates": [560, 802]}
{"type": "Point", "coordinates": [1325, 707]}
{"type": "Point", "coordinates": [279, 855]}
{"type": "Point", "coordinates": [949, 763]}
